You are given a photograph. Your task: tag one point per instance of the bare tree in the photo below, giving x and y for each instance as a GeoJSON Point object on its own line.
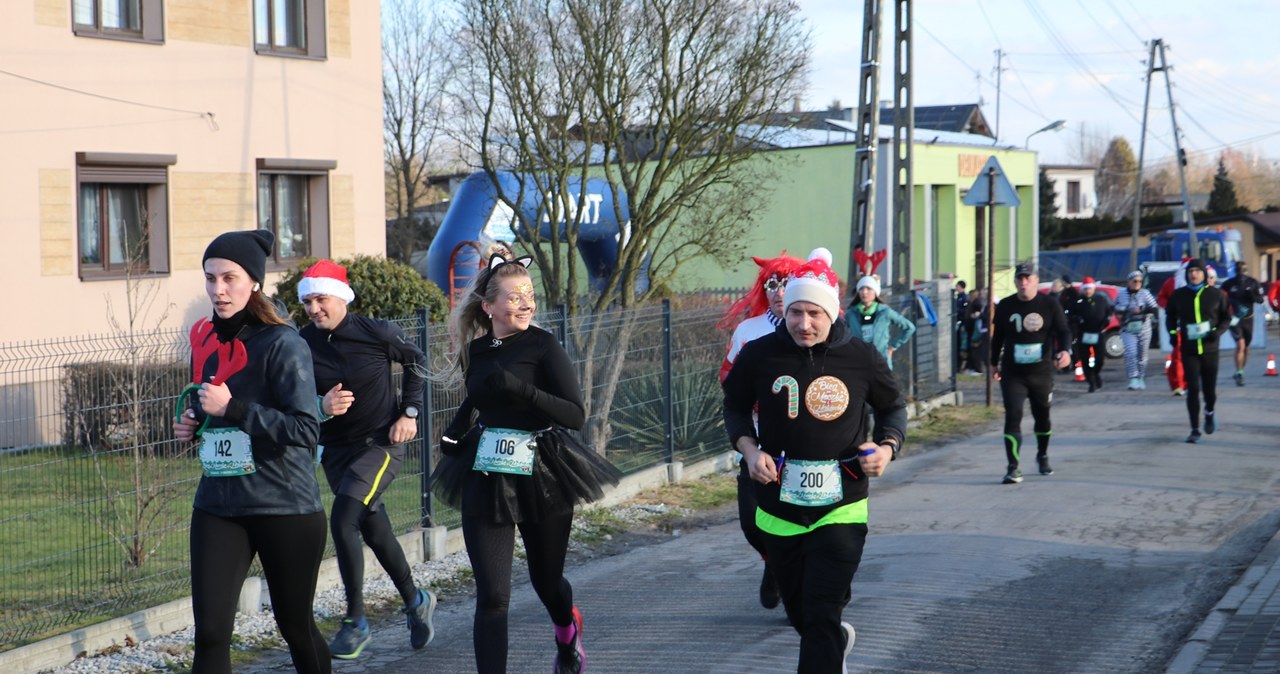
{"type": "Point", "coordinates": [414, 68]}
{"type": "Point", "coordinates": [665, 99]}
{"type": "Point", "coordinates": [1117, 179]}
{"type": "Point", "coordinates": [130, 454]}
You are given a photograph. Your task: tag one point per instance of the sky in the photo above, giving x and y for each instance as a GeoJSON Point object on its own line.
{"type": "Point", "coordinates": [1083, 61]}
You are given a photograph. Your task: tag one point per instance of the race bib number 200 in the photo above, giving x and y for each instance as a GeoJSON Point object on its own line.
{"type": "Point", "coordinates": [811, 483]}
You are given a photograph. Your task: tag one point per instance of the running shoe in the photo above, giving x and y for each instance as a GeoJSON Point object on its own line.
{"type": "Point", "coordinates": [1239, 376]}
{"type": "Point", "coordinates": [1014, 476]}
{"type": "Point", "coordinates": [1133, 384]}
{"type": "Point", "coordinates": [421, 629]}
{"type": "Point", "coordinates": [1179, 392]}
{"type": "Point", "coordinates": [350, 640]}
{"type": "Point", "coordinates": [1210, 424]}
{"type": "Point", "coordinates": [768, 588]}
{"type": "Point", "coordinates": [850, 636]}
{"type": "Point", "coordinates": [1045, 469]}
{"type": "Point", "coordinates": [571, 658]}
{"type": "Point", "coordinates": [1194, 437]}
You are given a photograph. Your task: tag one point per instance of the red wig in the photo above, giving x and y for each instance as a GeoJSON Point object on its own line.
{"type": "Point", "coordinates": [756, 302]}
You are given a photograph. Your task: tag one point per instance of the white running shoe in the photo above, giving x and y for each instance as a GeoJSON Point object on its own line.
{"type": "Point", "coordinates": [849, 637]}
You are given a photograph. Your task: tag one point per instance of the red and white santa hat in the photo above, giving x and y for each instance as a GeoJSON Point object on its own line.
{"type": "Point", "coordinates": [1088, 282]}
{"type": "Point", "coordinates": [325, 277]}
{"type": "Point", "coordinates": [815, 281]}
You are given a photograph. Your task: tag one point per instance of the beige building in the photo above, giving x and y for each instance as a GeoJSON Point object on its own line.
{"type": "Point", "coordinates": [134, 131]}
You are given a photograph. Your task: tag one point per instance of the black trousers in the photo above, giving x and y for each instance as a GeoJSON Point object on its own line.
{"type": "Point", "coordinates": [1017, 388]}
{"type": "Point", "coordinates": [290, 548]}
{"type": "Point", "coordinates": [1093, 374]}
{"type": "Point", "coordinates": [814, 573]}
{"type": "Point", "coordinates": [747, 511]}
{"type": "Point", "coordinates": [491, 547]}
{"type": "Point", "coordinates": [1201, 372]}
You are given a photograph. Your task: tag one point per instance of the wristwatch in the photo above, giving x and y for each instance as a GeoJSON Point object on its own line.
{"type": "Point", "coordinates": [411, 412]}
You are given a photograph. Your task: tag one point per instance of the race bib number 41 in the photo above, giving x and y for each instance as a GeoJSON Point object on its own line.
{"type": "Point", "coordinates": [811, 483]}
{"type": "Point", "coordinates": [505, 450]}
{"type": "Point", "coordinates": [226, 452]}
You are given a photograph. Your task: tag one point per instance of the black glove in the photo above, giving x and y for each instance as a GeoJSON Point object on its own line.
{"type": "Point", "coordinates": [505, 381]}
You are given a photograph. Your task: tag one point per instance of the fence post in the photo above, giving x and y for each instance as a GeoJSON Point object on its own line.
{"type": "Point", "coordinates": [428, 428]}
{"type": "Point", "coordinates": [667, 402]}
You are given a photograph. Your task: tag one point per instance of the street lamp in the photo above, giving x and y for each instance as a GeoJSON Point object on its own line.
{"type": "Point", "coordinates": [1055, 125]}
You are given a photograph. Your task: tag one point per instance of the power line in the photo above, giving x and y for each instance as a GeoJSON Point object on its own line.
{"type": "Point", "coordinates": [208, 115]}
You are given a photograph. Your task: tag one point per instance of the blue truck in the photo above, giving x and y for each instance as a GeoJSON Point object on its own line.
{"type": "Point", "coordinates": [1220, 248]}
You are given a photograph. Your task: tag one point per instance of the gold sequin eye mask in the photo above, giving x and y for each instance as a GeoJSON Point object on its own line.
{"type": "Point", "coordinates": [523, 292]}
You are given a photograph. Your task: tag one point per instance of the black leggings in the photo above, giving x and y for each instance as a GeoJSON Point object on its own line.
{"type": "Point", "coordinates": [1201, 372]}
{"type": "Point", "coordinates": [290, 548]}
{"type": "Point", "coordinates": [491, 547]}
{"type": "Point", "coordinates": [354, 526]}
{"type": "Point", "coordinates": [1016, 389]}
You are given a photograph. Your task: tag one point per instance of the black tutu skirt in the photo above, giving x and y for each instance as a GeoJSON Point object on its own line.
{"type": "Point", "coordinates": [565, 473]}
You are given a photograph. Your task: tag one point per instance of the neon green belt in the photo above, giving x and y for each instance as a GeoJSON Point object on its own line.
{"type": "Point", "coordinates": [853, 513]}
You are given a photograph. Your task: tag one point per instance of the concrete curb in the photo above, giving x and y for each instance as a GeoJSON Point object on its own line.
{"type": "Point", "coordinates": [1239, 597]}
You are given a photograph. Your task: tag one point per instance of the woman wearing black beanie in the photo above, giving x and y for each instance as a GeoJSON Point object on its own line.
{"type": "Point", "coordinates": [254, 414]}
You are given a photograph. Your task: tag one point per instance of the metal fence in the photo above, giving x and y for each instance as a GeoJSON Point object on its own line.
{"type": "Point", "coordinates": [95, 495]}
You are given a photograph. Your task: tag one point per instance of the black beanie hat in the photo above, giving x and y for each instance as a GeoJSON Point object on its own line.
{"type": "Point", "coordinates": [247, 249]}
{"type": "Point", "coordinates": [1194, 263]}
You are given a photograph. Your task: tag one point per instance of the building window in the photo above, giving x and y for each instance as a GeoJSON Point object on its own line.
{"type": "Point", "coordinates": [122, 214]}
{"type": "Point", "coordinates": [1073, 196]}
{"type": "Point", "coordinates": [293, 203]}
{"type": "Point", "coordinates": [289, 27]}
{"type": "Point", "coordinates": [137, 20]}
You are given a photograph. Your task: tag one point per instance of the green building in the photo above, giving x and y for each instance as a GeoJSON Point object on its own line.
{"type": "Point", "coordinates": [811, 205]}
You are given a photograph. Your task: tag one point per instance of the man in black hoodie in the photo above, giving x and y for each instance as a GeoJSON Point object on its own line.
{"type": "Point", "coordinates": [811, 382]}
{"type": "Point", "coordinates": [1198, 312]}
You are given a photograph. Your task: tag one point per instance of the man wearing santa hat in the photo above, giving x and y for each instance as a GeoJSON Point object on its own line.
{"type": "Point", "coordinates": [362, 438]}
{"type": "Point", "coordinates": [811, 380]}
{"type": "Point", "coordinates": [1090, 315]}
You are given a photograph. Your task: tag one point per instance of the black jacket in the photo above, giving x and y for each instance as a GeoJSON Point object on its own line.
{"type": "Point", "coordinates": [273, 399]}
{"type": "Point", "coordinates": [358, 354]}
{"type": "Point", "coordinates": [1036, 321]}
{"type": "Point", "coordinates": [1187, 306]}
{"type": "Point", "coordinates": [1243, 292]}
{"type": "Point", "coordinates": [856, 364]}
{"type": "Point", "coordinates": [1090, 314]}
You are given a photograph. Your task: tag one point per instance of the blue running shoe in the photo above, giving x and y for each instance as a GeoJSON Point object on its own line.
{"type": "Point", "coordinates": [351, 639]}
{"type": "Point", "coordinates": [421, 629]}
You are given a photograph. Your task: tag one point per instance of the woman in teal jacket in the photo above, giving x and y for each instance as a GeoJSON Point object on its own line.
{"type": "Point", "coordinates": [873, 320]}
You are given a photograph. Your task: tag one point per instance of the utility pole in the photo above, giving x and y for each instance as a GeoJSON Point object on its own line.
{"type": "Point", "coordinates": [904, 128]}
{"type": "Point", "coordinates": [864, 165]}
{"type": "Point", "coordinates": [1158, 49]}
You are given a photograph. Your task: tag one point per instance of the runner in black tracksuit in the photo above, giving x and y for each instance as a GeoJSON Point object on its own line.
{"type": "Point", "coordinates": [363, 438]}
{"type": "Point", "coordinates": [1198, 312]}
{"type": "Point", "coordinates": [1029, 338]}
{"type": "Point", "coordinates": [1089, 316]}
{"type": "Point", "coordinates": [811, 386]}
